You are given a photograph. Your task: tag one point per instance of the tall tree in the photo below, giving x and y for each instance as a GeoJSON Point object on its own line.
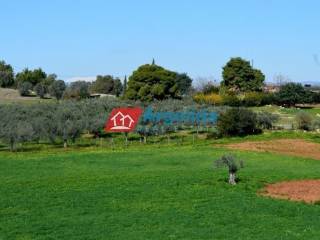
{"type": "Point", "coordinates": [31, 76]}
{"type": "Point", "coordinates": [6, 75]}
{"type": "Point", "coordinates": [117, 87]}
{"type": "Point", "coordinates": [239, 76]}
{"type": "Point", "coordinates": [125, 83]}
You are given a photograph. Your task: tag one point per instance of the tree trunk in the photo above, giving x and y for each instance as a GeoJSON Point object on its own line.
{"type": "Point", "coordinates": [232, 178]}
{"type": "Point", "coordinates": [145, 139]}
{"type": "Point", "coordinates": [65, 144]}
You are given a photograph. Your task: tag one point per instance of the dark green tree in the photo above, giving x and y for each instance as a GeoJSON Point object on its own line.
{"type": "Point", "coordinates": [117, 87]}
{"type": "Point", "coordinates": [31, 76]}
{"type": "Point", "coordinates": [237, 122]}
{"type": "Point", "coordinates": [293, 93]}
{"type": "Point", "coordinates": [103, 84]}
{"type": "Point", "coordinates": [6, 75]}
{"type": "Point", "coordinates": [184, 83]}
{"type": "Point", "coordinates": [77, 90]}
{"type": "Point", "coordinates": [150, 82]}
{"type": "Point", "coordinates": [239, 76]}
{"type": "Point", "coordinates": [125, 84]}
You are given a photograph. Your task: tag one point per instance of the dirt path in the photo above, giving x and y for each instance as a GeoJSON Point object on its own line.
{"type": "Point", "coordinates": [303, 191]}
{"type": "Point", "coordinates": [293, 147]}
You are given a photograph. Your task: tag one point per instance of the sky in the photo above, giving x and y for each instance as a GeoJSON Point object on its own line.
{"type": "Point", "coordinates": [83, 38]}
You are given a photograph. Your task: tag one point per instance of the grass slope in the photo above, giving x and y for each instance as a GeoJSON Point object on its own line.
{"type": "Point", "coordinates": [152, 193]}
{"type": "Point", "coordinates": [8, 95]}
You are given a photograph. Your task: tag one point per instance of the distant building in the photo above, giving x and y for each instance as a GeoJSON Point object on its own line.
{"type": "Point", "coordinates": [271, 88]}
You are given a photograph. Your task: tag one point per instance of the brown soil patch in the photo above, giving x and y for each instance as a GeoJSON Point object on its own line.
{"type": "Point", "coordinates": [294, 147]}
{"type": "Point", "coordinates": [303, 191]}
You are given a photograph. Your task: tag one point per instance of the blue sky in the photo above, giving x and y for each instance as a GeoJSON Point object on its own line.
{"type": "Point", "coordinates": [84, 38]}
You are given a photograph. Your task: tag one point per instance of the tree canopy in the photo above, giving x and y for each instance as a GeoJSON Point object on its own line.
{"type": "Point", "coordinates": [293, 93]}
{"type": "Point", "coordinates": [107, 85]}
{"type": "Point", "coordinates": [150, 82]}
{"type": "Point", "coordinates": [240, 76]}
{"type": "Point", "coordinates": [6, 75]}
{"type": "Point", "coordinates": [32, 76]}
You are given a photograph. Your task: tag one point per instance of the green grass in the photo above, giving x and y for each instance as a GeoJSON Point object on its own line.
{"type": "Point", "coordinates": [150, 193]}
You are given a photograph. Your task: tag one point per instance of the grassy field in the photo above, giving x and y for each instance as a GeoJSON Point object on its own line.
{"type": "Point", "coordinates": [12, 96]}
{"type": "Point", "coordinates": [147, 192]}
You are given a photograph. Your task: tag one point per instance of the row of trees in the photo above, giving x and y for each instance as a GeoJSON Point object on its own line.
{"type": "Point", "coordinates": [290, 94]}
{"type": "Point", "coordinates": [52, 122]}
{"type": "Point", "coordinates": [147, 83]}
{"type": "Point", "coordinates": [65, 121]}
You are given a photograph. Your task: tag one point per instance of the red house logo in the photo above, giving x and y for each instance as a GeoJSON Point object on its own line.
{"type": "Point", "coordinates": [123, 119]}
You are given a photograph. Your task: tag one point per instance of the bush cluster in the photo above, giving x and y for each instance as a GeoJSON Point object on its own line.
{"type": "Point", "coordinates": [248, 99]}
{"type": "Point", "coordinates": [238, 122]}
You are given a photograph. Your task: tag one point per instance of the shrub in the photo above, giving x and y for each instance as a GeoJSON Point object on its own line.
{"type": "Point", "coordinates": [210, 88]}
{"type": "Point", "coordinates": [212, 98]}
{"type": "Point", "coordinates": [231, 100]}
{"type": "Point", "coordinates": [316, 123]}
{"type": "Point", "coordinates": [237, 122]}
{"type": "Point", "coordinates": [252, 99]}
{"type": "Point", "coordinates": [268, 98]}
{"type": "Point", "coordinates": [304, 121]}
{"type": "Point", "coordinates": [232, 164]}
{"type": "Point", "coordinates": [57, 88]}
{"type": "Point", "coordinates": [266, 120]}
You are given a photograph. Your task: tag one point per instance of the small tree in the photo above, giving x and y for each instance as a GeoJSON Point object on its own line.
{"type": "Point", "coordinates": [57, 88]}
{"type": "Point", "coordinates": [15, 125]}
{"type": "Point", "coordinates": [266, 119]}
{"type": "Point", "coordinates": [40, 90]}
{"type": "Point", "coordinates": [232, 164]}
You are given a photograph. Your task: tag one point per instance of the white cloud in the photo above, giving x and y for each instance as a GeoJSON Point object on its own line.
{"type": "Point", "coordinates": [86, 79]}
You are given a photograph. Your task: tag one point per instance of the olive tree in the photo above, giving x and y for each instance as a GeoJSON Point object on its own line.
{"type": "Point", "coordinates": [15, 126]}
{"type": "Point", "coordinates": [233, 165]}
{"type": "Point", "coordinates": [70, 122]}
